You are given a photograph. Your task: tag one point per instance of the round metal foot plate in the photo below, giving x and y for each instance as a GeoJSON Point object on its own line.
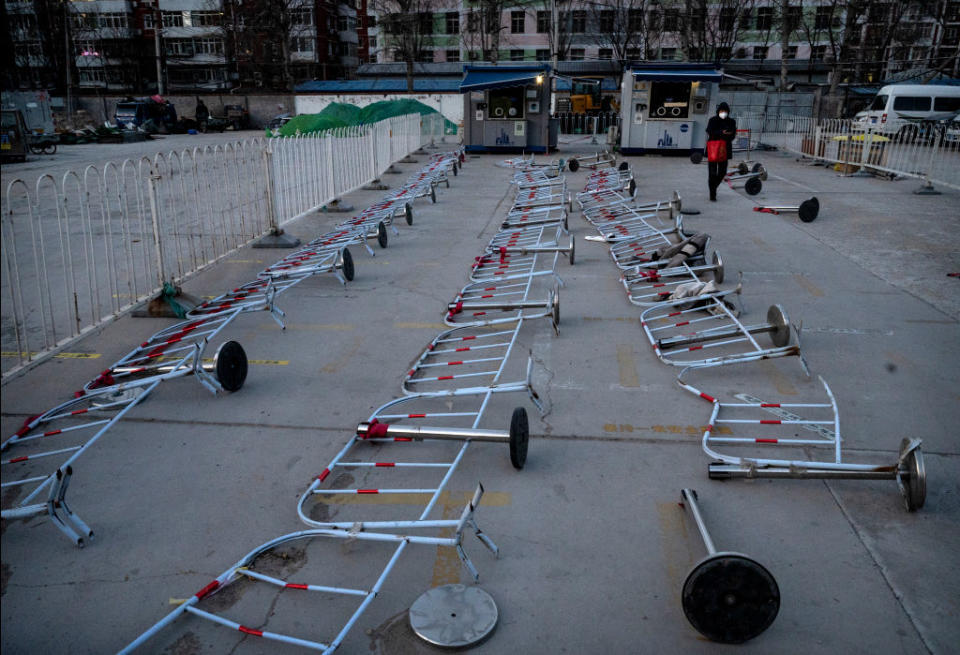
{"type": "Point", "coordinates": [778, 320]}
{"type": "Point", "coordinates": [230, 364]}
{"type": "Point", "coordinates": [730, 598]}
{"type": "Point", "coordinates": [454, 616]}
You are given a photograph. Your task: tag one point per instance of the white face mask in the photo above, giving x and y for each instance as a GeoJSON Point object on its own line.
{"type": "Point", "coordinates": [723, 114]}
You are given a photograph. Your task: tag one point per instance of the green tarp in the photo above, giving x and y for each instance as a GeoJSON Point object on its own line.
{"type": "Point", "coordinates": [340, 114]}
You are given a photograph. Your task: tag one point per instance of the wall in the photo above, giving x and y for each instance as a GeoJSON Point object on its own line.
{"type": "Point", "coordinates": [448, 104]}
{"type": "Point", "coordinates": [261, 107]}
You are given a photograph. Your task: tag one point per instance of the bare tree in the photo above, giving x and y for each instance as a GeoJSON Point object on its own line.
{"type": "Point", "coordinates": [725, 27]}
{"type": "Point", "coordinates": [407, 26]}
{"type": "Point", "coordinates": [623, 25]}
{"type": "Point", "coordinates": [484, 29]}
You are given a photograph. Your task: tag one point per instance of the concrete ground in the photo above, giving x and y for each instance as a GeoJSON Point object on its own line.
{"type": "Point", "coordinates": [594, 548]}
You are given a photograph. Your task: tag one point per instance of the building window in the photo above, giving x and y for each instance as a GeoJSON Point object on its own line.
{"type": "Point", "coordinates": [301, 16]}
{"type": "Point", "coordinates": [425, 19]}
{"type": "Point", "coordinates": [178, 47]}
{"type": "Point", "coordinates": [606, 21]}
{"type": "Point", "coordinates": [578, 24]}
{"type": "Point", "coordinates": [577, 54]}
{"type": "Point", "coordinates": [92, 76]}
{"type": "Point", "coordinates": [746, 19]}
{"type": "Point", "coordinates": [518, 21]}
{"type": "Point", "coordinates": [372, 22]}
{"type": "Point", "coordinates": [723, 53]}
{"type": "Point", "coordinates": [473, 22]}
{"type": "Point", "coordinates": [727, 16]}
{"type": "Point", "coordinates": [113, 20]}
{"type": "Point", "coordinates": [516, 55]}
{"type": "Point", "coordinates": [86, 48]}
{"type": "Point", "coordinates": [172, 18]}
{"type": "Point", "coordinates": [373, 42]}
{"type": "Point", "coordinates": [791, 52]}
{"type": "Point", "coordinates": [148, 21]}
{"type": "Point", "coordinates": [693, 54]}
{"type": "Point", "coordinates": [543, 55]}
{"type": "Point", "coordinates": [297, 44]}
{"type": "Point", "coordinates": [759, 52]}
{"type": "Point", "coordinates": [543, 22]}
{"type": "Point", "coordinates": [764, 18]}
{"type": "Point", "coordinates": [210, 18]}
{"type": "Point", "coordinates": [453, 22]}
{"type": "Point", "coordinates": [473, 55]}
{"type": "Point", "coordinates": [634, 54]}
{"type": "Point", "coordinates": [668, 54]}
{"type": "Point", "coordinates": [634, 20]}
{"type": "Point", "coordinates": [741, 53]}
{"type": "Point", "coordinates": [426, 56]}
{"type": "Point", "coordinates": [822, 20]}
{"type": "Point", "coordinates": [453, 55]}
{"type": "Point", "coordinates": [671, 20]}
{"type": "Point", "coordinates": [605, 53]}
{"type": "Point", "coordinates": [792, 19]}
{"type": "Point", "coordinates": [215, 46]}
{"type": "Point", "coordinates": [346, 23]}
{"type": "Point", "coordinates": [697, 21]}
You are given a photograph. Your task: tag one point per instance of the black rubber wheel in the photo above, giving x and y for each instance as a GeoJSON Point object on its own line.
{"type": "Point", "coordinates": [347, 263]}
{"type": "Point", "coordinates": [913, 477]}
{"type": "Point", "coordinates": [455, 169]}
{"type": "Point", "coordinates": [730, 598]}
{"type": "Point", "coordinates": [50, 149]}
{"type": "Point", "coordinates": [696, 156]}
{"type": "Point", "coordinates": [809, 209]}
{"type": "Point", "coordinates": [433, 194]}
{"type": "Point", "coordinates": [519, 438]}
{"type": "Point", "coordinates": [230, 365]}
{"type": "Point", "coordinates": [382, 237]}
{"type": "Point", "coordinates": [742, 168]}
{"type": "Point", "coordinates": [717, 261]}
{"type": "Point", "coordinates": [408, 213]}
{"type": "Point", "coordinates": [753, 186]}
{"type": "Point", "coordinates": [573, 165]}
{"type": "Point", "coordinates": [757, 167]}
{"type": "Point", "coordinates": [573, 250]}
{"type": "Point", "coordinates": [632, 187]}
{"type": "Point", "coordinates": [36, 149]}
{"type": "Point", "coordinates": [623, 166]}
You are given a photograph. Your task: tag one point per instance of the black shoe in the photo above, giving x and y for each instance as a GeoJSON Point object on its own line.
{"type": "Point", "coordinates": [713, 197]}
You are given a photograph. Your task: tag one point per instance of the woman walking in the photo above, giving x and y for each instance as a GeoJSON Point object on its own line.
{"type": "Point", "coordinates": [721, 129]}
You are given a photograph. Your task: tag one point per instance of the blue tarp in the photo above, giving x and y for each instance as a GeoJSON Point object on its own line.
{"type": "Point", "coordinates": [606, 84]}
{"type": "Point", "coordinates": [678, 74]}
{"type": "Point", "coordinates": [478, 78]}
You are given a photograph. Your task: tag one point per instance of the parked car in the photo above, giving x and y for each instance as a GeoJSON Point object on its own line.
{"type": "Point", "coordinates": [898, 110]}
{"type": "Point", "coordinates": [13, 136]}
{"type": "Point", "coordinates": [951, 129]}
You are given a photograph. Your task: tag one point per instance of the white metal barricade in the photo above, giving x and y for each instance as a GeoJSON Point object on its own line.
{"type": "Point", "coordinates": [819, 428]}
{"type": "Point", "coordinates": [684, 336]}
{"type": "Point", "coordinates": [593, 162]}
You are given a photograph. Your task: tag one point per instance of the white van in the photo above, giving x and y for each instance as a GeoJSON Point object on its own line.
{"type": "Point", "coordinates": [898, 109]}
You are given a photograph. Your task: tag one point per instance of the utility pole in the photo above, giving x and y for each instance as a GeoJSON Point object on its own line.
{"type": "Point", "coordinates": [785, 29]}
{"type": "Point", "coordinates": [157, 23]}
{"type": "Point", "coordinates": [68, 55]}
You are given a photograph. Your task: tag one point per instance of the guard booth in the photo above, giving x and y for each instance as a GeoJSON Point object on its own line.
{"type": "Point", "coordinates": [507, 109]}
{"type": "Point", "coordinates": [665, 107]}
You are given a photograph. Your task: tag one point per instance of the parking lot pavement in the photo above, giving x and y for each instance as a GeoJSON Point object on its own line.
{"type": "Point", "coordinates": [594, 547]}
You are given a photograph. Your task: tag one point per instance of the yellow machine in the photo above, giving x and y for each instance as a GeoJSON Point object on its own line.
{"type": "Point", "coordinates": [586, 97]}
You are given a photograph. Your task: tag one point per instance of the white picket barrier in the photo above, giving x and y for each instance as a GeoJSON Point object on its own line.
{"type": "Point", "coordinates": [81, 250]}
{"type": "Point", "coordinates": [924, 151]}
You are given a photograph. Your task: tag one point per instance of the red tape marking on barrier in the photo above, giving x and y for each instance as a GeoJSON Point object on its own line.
{"type": "Point", "coordinates": [250, 631]}
{"type": "Point", "coordinates": [368, 491]}
{"type": "Point", "coordinates": [376, 429]}
{"type": "Point", "coordinates": [445, 377]}
{"type": "Point", "coordinates": [51, 433]}
{"type": "Point", "coordinates": [769, 404]}
{"type": "Point", "coordinates": [457, 363]}
{"type": "Point", "coordinates": [323, 476]}
{"type": "Point", "coordinates": [416, 416]}
{"type": "Point", "coordinates": [708, 398]}
{"type": "Point", "coordinates": [292, 585]}
{"type": "Point", "coordinates": [385, 464]}
{"type": "Point", "coordinates": [770, 422]}
{"type": "Point", "coordinates": [19, 459]}
{"type": "Point", "coordinates": [207, 590]}
{"type": "Point", "coordinates": [767, 440]}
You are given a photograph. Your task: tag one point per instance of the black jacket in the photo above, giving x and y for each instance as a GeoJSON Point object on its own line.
{"type": "Point", "coordinates": [715, 130]}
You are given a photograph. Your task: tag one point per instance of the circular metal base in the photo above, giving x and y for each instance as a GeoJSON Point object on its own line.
{"type": "Point", "coordinates": [230, 364]}
{"type": "Point", "coordinates": [573, 250]}
{"type": "Point", "coordinates": [730, 598]}
{"type": "Point", "coordinates": [696, 156]}
{"type": "Point", "coordinates": [433, 194]}
{"type": "Point", "coordinates": [777, 318]}
{"type": "Point", "coordinates": [519, 437]}
{"type": "Point", "coordinates": [742, 168]}
{"type": "Point", "coordinates": [347, 263]}
{"type": "Point", "coordinates": [757, 167]}
{"type": "Point", "coordinates": [912, 476]}
{"type": "Point", "coordinates": [382, 237]}
{"type": "Point", "coordinates": [623, 166]}
{"type": "Point", "coordinates": [718, 270]}
{"type": "Point", "coordinates": [753, 186]}
{"type": "Point", "coordinates": [632, 188]}
{"type": "Point", "coordinates": [454, 616]}
{"type": "Point", "coordinates": [809, 209]}
{"type": "Point", "coordinates": [408, 213]}
{"type": "Point", "coordinates": [573, 165]}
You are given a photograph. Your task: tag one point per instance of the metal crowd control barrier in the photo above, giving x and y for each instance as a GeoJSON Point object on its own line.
{"type": "Point", "coordinates": [727, 596]}
{"type": "Point", "coordinates": [174, 352]}
{"type": "Point", "coordinates": [593, 162]}
{"type": "Point", "coordinates": [551, 214]}
{"type": "Point", "coordinates": [667, 328]}
{"type": "Point", "coordinates": [752, 180]}
{"type": "Point", "coordinates": [908, 470]}
{"type": "Point", "coordinates": [618, 179]}
{"type": "Point", "coordinates": [551, 169]}
{"type": "Point", "coordinates": [808, 209]}
{"type": "Point", "coordinates": [475, 303]}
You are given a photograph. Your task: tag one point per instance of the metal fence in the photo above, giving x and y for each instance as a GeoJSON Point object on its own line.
{"type": "Point", "coordinates": [925, 150]}
{"type": "Point", "coordinates": [571, 123]}
{"type": "Point", "coordinates": [81, 250]}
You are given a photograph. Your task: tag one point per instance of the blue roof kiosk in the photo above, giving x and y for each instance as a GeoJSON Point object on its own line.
{"type": "Point", "coordinates": [665, 107]}
{"type": "Point", "coordinates": [507, 109]}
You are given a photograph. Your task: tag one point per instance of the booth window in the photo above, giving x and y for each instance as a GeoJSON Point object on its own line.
{"type": "Point", "coordinates": [670, 100]}
{"type": "Point", "coordinates": [505, 104]}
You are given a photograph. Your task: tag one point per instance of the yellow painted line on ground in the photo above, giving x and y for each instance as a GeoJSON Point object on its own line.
{"type": "Point", "coordinates": [609, 318]}
{"type": "Point", "coordinates": [627, 366]}
{"type": "Point", "coordinates": [418, 326]}
{"type": "Point", "coordinates": [675, 542]}
{"type": "Point", "coordinates": [13, 353]}
{"type": "Point", "coordinates": [808, 286]}
{"type": "Point", "coordinates": [209, 360]}
{"type": "Point", "coordinates": [781, 382]}
{"type": "Point", "coordinates": [322, 326]}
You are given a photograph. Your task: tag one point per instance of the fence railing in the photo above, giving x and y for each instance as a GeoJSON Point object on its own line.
{"type": "Point", "coordinates": [926, 150]}
{"type": "Point", "coordinates": [81, 250]}
{"type": "Point", "coordinates": [570, 123]}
